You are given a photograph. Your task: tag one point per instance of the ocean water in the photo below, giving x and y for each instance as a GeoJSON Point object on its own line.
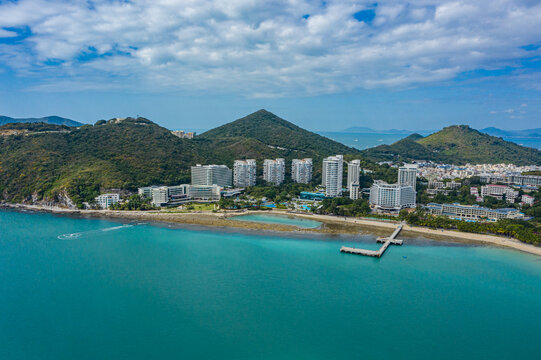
{"type": "Point", "coordinates": [363, 141]}
{"type": "Point", "coordinates": [143, 291]}
{"type": "Point", "coordinates": [279, 219]}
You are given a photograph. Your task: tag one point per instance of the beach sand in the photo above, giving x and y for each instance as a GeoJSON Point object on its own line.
{"type": "Point", "coordinates": [330, 224]}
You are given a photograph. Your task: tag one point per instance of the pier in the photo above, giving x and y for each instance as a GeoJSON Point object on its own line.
{"type": "Point", "coordinates": [376, 253]}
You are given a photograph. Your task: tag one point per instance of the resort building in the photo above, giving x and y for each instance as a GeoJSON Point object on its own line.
{"type": "Point", "coordinates": [527, 200]}
{"type": "Point", "coordinates": [183, 135]}
{"type": "Point", "coordinates": [301, 170]}
{"type": "Point", "coordinates": [391, 197]}
{"type": "Point", "coordinates": [499, 191]}
{"type": "Point", "coordinates": [274, 171]}
{"type": "Point", "coordinates": [407, 175]}
{"type": "Point", "coordinates": [205, 192]}
{"type": "Point", "coordinates": [332, 173]}
{"type": "Point", "coordinates": [354, 169]}
{"type": "Point", "coordinates": [209, 175]}
{"type": "Point", "coordinates": [530, 180]}
{"type": "Point", "coordinates": [354, 191]}
{"type": "Point", "coordinates": [472, 212]}
{"type": "Point", "coordinates": [244, 173]}
{"type": "Point", "coordinates": [106, 200]}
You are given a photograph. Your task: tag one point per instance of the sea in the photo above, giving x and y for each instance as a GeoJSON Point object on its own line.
{"type": "Point", "coordinates": [363, 141]}
{"type": "Point", "coordinates": [81, 288]}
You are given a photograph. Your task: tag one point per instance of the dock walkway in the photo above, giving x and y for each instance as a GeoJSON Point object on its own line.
{"type": "Point", "coordinates": [376, 253]}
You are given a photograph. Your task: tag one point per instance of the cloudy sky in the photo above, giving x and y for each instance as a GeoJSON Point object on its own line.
{"type": "Point", "coordinates": [325, 65]}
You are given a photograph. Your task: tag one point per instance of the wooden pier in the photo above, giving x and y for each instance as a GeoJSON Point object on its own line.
{"type": "Point", "coordinates": [376, 253]}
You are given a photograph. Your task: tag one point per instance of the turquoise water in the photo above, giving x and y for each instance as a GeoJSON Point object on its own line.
{"type": "Point", "coordinates": [154, 292]}
{"type": "Point", "coordinates": [279, 219]}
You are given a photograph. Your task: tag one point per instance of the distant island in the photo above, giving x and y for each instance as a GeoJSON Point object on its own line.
{"type": "Point", "coordinates": [54, 120]}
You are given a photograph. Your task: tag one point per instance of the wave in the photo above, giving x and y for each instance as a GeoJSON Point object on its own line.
{"type": "Point", "coordinates": [74, 236]}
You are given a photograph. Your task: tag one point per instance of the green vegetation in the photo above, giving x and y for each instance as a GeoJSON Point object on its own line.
{"type": "Point", "coordinates": [458, 145]}
{"type": "Point", "coordinates": [134, 202]}
{"type": "Point", "coordinates": [522, 230]}
{"type": "Point", "coordinates": [343, 206]}
{"type": "Point", "coordinates": [53, 162]}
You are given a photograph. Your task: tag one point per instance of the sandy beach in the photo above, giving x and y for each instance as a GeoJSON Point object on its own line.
{"type": "Point", "coordinates": [330, 224]}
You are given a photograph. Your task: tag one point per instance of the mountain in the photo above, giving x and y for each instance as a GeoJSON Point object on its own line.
{"type": "Point", "coordinates": [268, 130]}
{"type": "Point", "coordinates": [457, 144]}
{"type": "Point", "coordinates": [55, 120]}
{"type": "Point", "coordinates": [53, 163]}
{"type": "Point", "coordinates": [533, 133]}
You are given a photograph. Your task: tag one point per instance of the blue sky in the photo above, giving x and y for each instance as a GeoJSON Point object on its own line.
{"type": "Point", "coordinates": [323, 65]}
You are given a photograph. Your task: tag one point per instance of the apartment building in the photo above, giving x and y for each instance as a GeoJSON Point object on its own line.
{"type": "Point", "coordinates": [274, 171]}
{"type": "Point", "coordinates": [244, 173]}
{"type": "Point", "coordinates": [106, 200]}
{"type": "Point", "coordinates": [332, 173]}
{"type": "Point", "coordinates": [301, 170]}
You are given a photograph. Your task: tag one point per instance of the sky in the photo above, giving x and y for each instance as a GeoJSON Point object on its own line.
{"type": "Point", "coordinates": [324, 65]}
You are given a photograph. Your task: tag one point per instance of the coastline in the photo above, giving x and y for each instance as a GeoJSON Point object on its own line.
{"type": "Point", "coordinates": [330, 224]}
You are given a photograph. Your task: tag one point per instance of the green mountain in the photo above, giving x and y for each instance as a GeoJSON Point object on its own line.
{"type": "Point", "coordinates": [58, 164]}
{"type": "Point", "coordinates": [457, 144]}
{"type": "Point", "coordinates": [54, 120]}
{"type": "Point", "coordinates": [268, 130]}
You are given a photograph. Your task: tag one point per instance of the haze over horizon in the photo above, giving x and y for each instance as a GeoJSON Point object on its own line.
{"type": "Point", "coordinates": [324, 65]}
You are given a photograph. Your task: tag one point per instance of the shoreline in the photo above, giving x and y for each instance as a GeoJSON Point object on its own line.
{"type": "Point", "coordinates": [330, 224]}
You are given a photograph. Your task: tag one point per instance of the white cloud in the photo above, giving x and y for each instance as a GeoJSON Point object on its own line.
{"type": "Point", "coordinates": [261, 48]}
{"type": "Point", "coordinates": [509, 111]}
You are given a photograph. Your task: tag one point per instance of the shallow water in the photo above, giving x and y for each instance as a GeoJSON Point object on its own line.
{"type": "Point", "coordinates": [279, 219]}
{"type": "Point", "coordinates": [153, 292]}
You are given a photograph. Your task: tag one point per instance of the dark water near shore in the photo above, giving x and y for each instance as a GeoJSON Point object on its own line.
{"type": "Point", "coordinates": [109, 291]}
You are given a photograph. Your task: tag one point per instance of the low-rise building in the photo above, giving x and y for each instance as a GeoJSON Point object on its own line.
{"type": "Point", "coordinates": [527, 199]}
{"type": "Point", "coordinates": [106, 200]}
{"type": "Point", "coordinates": [472, 212]}
{"type": "Point", "coordinates": [499, 191]}
{"type": "Point", "coordinates": [205, 192]}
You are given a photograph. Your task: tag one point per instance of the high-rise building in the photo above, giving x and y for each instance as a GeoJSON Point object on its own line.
{"type": "Point", "coordinates": [407, 175]}
{"type": "Point", "coordinates": [301, 170]}
{"type": "Point", "coordinates": [331, 175]}
{"type": "Point", "coordinates": [354, 191]}
{"type": "Point", "coordinates": [274, 171]}
{"type": "Point", "coordinates": [244, 173]}
{"type": "Point", "coordinates": [354, 169]}
{"type": "Point", "coordinates": [391, 197]}
{"type": "Point", "coordinates": [209, 175]}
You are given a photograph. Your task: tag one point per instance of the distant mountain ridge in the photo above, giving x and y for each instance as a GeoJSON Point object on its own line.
{"type": "Point", "coordinates": [53, 120]}
{"type": "Point", "coordinates": [458, 144]}
{"type": "Point", "coordinates": [534, 133]}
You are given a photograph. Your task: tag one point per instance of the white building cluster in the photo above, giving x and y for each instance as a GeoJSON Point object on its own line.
{"type": "Point", "coordinates": [180, 194]}
{"type": "Point", "coordinates": [394, 197]}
